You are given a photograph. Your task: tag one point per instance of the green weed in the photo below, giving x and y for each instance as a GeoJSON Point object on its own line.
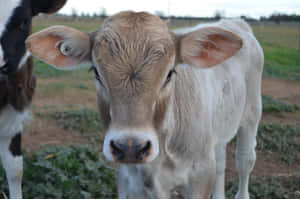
{"type": "Point", "coordinates": [76, 172]}
{"type": "Point", "coordinates": [270, 104]}
{"type": "Point", "coordinates": [79, 172]}
{"type": "Point", "coordinates": [281, 139]}
{"type": "Point", "coordinates": [273, 187]}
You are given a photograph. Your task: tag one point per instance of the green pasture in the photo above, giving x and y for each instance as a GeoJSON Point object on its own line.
{"type": "Point", "coordinates": [68, 98]}
{"type": "Point", "coordinates": [280, 43]}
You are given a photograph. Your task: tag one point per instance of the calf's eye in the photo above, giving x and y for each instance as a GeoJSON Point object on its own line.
{"type": "Point", "coordinates": [97, 76]}
{"type": "Point", "coordinates": [170, 74]}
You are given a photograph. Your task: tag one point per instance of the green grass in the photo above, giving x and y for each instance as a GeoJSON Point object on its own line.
{"type": "Point", "coordinates": [280, 45]}
{"type": "Point", "coordinates": [76, 172]}
{"type": "Point", "coordinates": [82, 86]}
{"type": "Point", "coordinates": [281, 139]}
{"type": "Point", "coordinates": [273, 187]}
{"type": "Point", "coordinates": [285, 35]}
{"type": "Point", "coordinates": [84, 120]}
{"type": "Point", "coordinates": [43, 70]}
{"type": "Point", "coordinates": [271, 105]}
{"type": "Point", "coordinates": [79, 172]}
{"type": "Point", "coordinates": [281, 62]}
{"type": "Point", "coordinates": [40, 23]}
{"type": "Point", "coordinates": [53, 88]}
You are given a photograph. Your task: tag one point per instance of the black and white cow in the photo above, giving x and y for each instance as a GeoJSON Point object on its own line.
{"type": "Point", "coordinates": [17, 82]}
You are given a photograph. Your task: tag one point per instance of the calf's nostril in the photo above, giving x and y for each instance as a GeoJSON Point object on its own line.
{"type": "Point", "coordinates": [117, 150]}
{"type": "Point", "coordinates": [130, 150]}
{"type": "Point", "coordinates": [144, 150]}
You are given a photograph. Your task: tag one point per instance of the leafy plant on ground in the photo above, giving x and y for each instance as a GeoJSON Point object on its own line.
{"type": "Point", "coordinates": [274, 187]}
{"type": "Point", "coordinates": [76, 172]}
{"type": "Point", "coordinates": [281, 139]}
{"type": "Point", "coordinates": [270, 104]}
{"type": "Point", "coordinates": [84, 120]}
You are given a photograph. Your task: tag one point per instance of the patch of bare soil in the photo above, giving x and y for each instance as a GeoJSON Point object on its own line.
{"type": "Point", "coordinates": [69, 97]}
{"type": "Point", "coordinates": [266, 164]}
{"type": "Point", "coordinates": [281, 118]}
{"type": "Point", "coordinates": [283, 90]}
{"type": "Point", "coordinates": [43, 132]}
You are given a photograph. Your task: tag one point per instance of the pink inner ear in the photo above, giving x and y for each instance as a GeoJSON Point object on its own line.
{"type": "Point", "coordinates": [215, 49]}
{"type": "Point", "coordinates": [46, 49]}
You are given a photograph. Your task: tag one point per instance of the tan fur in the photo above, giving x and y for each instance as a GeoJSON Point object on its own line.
{"type": "Point", "coordinates": [133, 62]}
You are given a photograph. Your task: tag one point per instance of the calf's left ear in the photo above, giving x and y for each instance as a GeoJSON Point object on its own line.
{"type": "Point", "coordinates": [60, 46]}
{"type": "Point", "coordinates": [46, 6]}
{"type": "Point", "coordinates": [208, 46]}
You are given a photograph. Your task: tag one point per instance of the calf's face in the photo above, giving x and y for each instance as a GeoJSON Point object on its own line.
{"type": "Point", "coordinates": [134, 56]}
{"type": "Point", "coordinates": [15, 27]}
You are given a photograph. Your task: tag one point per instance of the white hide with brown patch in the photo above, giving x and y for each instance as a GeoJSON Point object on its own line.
{"type": "Point", "coordinates": [160, 109]}
{"type": "Point", "coordinates": [17, 82]}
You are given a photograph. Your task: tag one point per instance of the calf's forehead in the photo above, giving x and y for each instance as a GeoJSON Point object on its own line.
{"type": "Point", "coordinates": [134, 51]}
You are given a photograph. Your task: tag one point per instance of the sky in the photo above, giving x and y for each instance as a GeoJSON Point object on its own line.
{"type": "Point", "coordinates": [197, 8]}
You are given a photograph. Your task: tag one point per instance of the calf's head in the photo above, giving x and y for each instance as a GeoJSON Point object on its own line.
{"type": "Point", "coordinates": [15, 27]}
{"type": "Point", "coordinates": [134, 56]}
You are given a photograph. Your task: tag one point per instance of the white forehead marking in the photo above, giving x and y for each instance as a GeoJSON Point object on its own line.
{"type": "Point", "coordinates": [7, 8]}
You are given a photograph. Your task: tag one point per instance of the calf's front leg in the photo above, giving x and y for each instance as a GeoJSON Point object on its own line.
{"type": "Point", "coordinates": [12, 160]}
{"type": "Point", "coordinates": [201, 186]}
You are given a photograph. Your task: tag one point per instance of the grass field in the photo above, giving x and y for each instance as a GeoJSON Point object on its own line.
{"type": "Point", "coordinates": [65, 107]}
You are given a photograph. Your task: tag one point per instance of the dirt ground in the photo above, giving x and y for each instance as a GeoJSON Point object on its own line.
{"type": "Point", "coordinates": [44, 132]}
{"type": "Point", "coordinates": [283, 90]}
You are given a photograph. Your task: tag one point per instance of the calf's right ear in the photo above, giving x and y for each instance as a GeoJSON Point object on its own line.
{"type": "Point", "coordinates": [61, 47]}
{"type": "Point", "coordinates": [208, 46]}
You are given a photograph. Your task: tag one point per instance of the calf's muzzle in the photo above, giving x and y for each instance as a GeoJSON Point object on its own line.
{"type": "Point", "coordinates": [135, 146]}
{"type": "Point", "coordinates": [130, 150]}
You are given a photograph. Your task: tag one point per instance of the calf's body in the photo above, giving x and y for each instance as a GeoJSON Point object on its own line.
{"type": "Point", "coordinates": [167, 121]}
{"type": "Point", "coordinates": [207, 109]}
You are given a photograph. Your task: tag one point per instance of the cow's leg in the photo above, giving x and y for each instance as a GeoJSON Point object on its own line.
{"type": "Point", "coordinates": [245, 150]}
{"type": "Point", "coordinates": [201, 185]}
{"type": "Point", "coordinates": [12, 160]}
{"type": "Point", "coordinates": [219, 192]}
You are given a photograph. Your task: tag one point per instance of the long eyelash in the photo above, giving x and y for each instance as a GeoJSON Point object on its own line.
{"type": "Point", "coordinates": [168, 79]}
{"type": "Point", "coordinates": [97, 76]}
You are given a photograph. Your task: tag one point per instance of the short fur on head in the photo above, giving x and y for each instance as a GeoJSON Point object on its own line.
{"type": "Point", "coordinates": [135, 56]}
